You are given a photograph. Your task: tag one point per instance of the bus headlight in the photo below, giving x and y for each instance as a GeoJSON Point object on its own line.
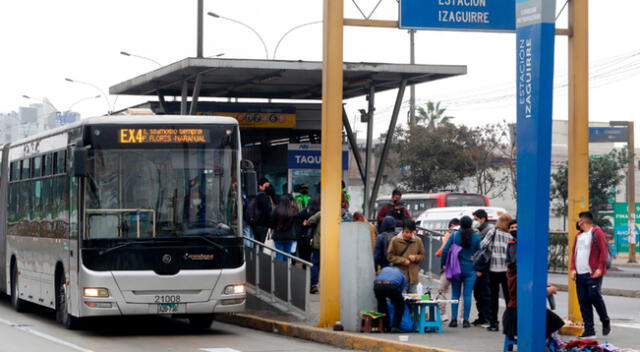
{"type": "Point", "coordinates": [95, 292]}
{"type": "Point", "coordinates": [234, 290]}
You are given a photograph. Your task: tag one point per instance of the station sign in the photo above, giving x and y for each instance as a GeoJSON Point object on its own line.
{"type": "Point", "coordinates": [308, 156]}
{"type": "Point", "coordinates": [459, 15]}
{"type": "Point", "coordinates": [607, 134]}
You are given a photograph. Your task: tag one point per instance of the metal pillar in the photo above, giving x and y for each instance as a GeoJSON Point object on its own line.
{"type": "Point", "coordinates": [369, 152]}
{"type": "Point", "coordinates": [331, 172]}
{"type": "Point", "coordinates": [412, 88]}
{"type": "Point", "coordinates": [200, 28]}
{"type": "Point", "coordinates": [196, 95]}
{"type": "Point", "coordinates": [184, 103]}
{"type": "Point", "coordinates": [631, 192]}
{"type": "Point", "coordinates": [163, 103]}
{"type": "Point", "coordinates": [578, 129]}
{"type": "Point", "coordinates": [353, 143]}
{"type": "Point", "coordinates": [387, 144]}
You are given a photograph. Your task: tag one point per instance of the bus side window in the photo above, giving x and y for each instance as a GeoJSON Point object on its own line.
{"type": "Point", "coordinates": [25, 172]}
{"type": "Point", "coordinates": [15, 171]}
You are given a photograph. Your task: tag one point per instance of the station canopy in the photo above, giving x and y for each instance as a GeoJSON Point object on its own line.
{"type": "Point", "coordinates": [275, 79]}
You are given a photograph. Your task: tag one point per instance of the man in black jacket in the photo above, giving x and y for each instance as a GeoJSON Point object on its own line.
{"type": "Point", "coordinates": [481, 289]}
{"type": "Point", "coordinates": [265, 207]}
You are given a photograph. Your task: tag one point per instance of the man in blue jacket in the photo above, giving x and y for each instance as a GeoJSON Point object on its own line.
{"type": "Point", "coordinates": [389, 284]}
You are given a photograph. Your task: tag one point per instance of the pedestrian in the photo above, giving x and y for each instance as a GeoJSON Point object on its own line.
{"type": "Point", "coordinates": [261, 208]}
{"type": "Point", "coordinates": [314, 222]}
{"type": "Point", "coordinates": [406, 251]}
{"type": "Point", "coordinates": [382, 243]}
{"type": "Point", "coordinates": [470, 243]}
{"type": "Point", "coordinates": [510, 316]}
{"type": "Point", "coordinates": [303, 198]}
{"type": "Point", "coordinates": [359, 217]}
{"type": "Point", "coordinates": [588, 267]}
{"type": "Point", "coordinates": [387, 209]}
{"type": "Point", "coordinates": [497, 241]}
{"type": "Point", "coordinates": [390, 283]}
{"type": "Point", "coordinates": [305, 233]}
{"type": "Point", "coordinates": [399, 213]}
{"type": "Point", "coordinates": [283, 221]}
{"type": "Point", "coordinates": [482, 288]}
{"type": "Point", "coordinates": [443, 287]}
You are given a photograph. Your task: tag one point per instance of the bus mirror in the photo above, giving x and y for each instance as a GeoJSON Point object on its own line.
{"type": "Point", "coordinates": [80, 161]}
{"type": "Point", "coordinates": [249, 183]}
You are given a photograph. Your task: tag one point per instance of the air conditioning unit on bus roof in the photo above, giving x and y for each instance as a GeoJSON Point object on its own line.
{"type": "Point", "coordinates": [137, 112]}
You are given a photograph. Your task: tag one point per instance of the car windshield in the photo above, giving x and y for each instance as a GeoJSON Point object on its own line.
{"type": "Point", "coordinates": [149, 193]}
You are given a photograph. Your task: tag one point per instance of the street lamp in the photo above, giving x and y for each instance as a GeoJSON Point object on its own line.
{"type": "Point", "coordinates": [140, 57]}
{"type": "Point", "coordinates": [82, 100]}
{"type": "Point", "coordinates": [631, 186]}
{"type": "Point", "coordinates": [266, 51]}
{"type": "Point", "coordinates": [289, 31]}
{"type": "Point", "coordinates": [44, 101]}
{"type": "Point", "coordinates": [106, 97]}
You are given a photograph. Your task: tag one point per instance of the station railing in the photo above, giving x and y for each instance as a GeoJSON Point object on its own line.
{"type": "Point", "coordinates": [281, 283]}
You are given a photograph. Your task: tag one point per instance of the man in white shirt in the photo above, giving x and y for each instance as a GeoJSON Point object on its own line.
{"type": "Point", "coordinates": [588, 266]}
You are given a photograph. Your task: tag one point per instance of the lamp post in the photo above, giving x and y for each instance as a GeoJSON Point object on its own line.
{"type": "Point", "coordinates": [82, 100]}
{"type": "Point", "coordinates": [44, 101]}
{"type": "Point", "coordinates": [289, 31]}
{"type": "Point", "coordinates": [216, 55]}
{"type": "Point", "coordinates": [631, 186]}
{"type": "Point", "coordinates": [264, 45]}
{"type": "Point", "coordinates": [125, 53]}
{"type": "Point", "coordinates": [106, 97]}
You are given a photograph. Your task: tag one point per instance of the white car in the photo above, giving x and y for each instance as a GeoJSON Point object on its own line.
{"type": "Point", "coordinates": [438, 218]}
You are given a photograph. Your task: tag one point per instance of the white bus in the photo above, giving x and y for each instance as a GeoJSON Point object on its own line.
{"type": "Point", "coordinates": [125, 215]}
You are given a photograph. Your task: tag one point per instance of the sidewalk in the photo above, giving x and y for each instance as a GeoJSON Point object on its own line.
{"type": "Point", "coordinates": [611, 285]}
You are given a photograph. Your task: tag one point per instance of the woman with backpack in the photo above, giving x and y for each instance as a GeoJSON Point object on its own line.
{"type": "Point", "coordinates": [283, 221]}
{"type": "Point", "coordinates": [457, 262]}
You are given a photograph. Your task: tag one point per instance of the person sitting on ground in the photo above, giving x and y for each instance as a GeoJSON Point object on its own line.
{"type": "Point", "coordinates": [382, 243]}
{"type": "Point", "coordinates": [389, 284]}
{"type": "Point", "coordinates": [406, 251]}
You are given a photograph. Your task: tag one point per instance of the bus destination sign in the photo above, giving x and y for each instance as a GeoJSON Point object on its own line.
{"type": "Point", "coordinates": [162, 135]}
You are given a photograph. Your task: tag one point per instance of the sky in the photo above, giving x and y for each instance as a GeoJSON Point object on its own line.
{"type": "Point", "coordinates": [45, 41]}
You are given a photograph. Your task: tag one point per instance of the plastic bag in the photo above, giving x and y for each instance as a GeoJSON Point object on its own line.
{"type": "Point", "coordinates": [406, 324]}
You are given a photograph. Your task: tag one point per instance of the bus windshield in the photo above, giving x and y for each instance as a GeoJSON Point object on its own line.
{"type": "Point", "coordinates": [147, 193]}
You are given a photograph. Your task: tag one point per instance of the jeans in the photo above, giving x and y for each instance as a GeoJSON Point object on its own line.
{"type": "Point", "coordinates": [465, 285]}
{"type": "Point", "coordinates": [589, 294]}
{"type": "Point", "coordinates": [482, 295]}
{"type": "Point", "coordinates": [497, 280]}
{"type": "Point", "coordinates": [315, 269]}
{"type": "Point", "coordinates": [394, 293]}
{"type": "Point", "coordinates": [285, 246]}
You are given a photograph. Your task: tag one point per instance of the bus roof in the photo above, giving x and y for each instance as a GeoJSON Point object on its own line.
{"type": "Point", "coordinates": [130, 120]}
{"type": "Point", "coordinates": [411, 196]}
{"type": "Point", "coordinates": [458, 212]}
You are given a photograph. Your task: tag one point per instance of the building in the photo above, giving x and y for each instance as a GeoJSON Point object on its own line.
{"type": "Point", "coordinates": [33, 119]}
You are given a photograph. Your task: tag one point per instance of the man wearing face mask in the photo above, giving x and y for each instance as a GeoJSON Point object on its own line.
{"type": "Point", "coordinates": [588, 266]}
{"type": "Point", "coordinates": [482, 289]}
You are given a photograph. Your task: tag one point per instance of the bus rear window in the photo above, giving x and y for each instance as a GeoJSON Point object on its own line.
{"type": "Point", "coordinates": [464, 200]}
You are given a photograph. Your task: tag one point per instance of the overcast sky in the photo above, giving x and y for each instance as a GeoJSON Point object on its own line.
{"type": "Point", "coordinates": [45, 41]}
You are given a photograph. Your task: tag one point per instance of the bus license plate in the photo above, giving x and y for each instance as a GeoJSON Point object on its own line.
{"type": "Point", "coordinates": [167, 308]}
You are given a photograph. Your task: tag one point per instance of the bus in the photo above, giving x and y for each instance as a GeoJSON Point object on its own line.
{"type": "Point", "coordinates": [419, 202]}
{"type": "Point", "coordinates": [125, 215]}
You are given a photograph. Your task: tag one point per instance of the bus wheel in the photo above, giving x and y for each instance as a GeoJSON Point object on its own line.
{"type": "Point", "coordinates": [62, 313]}
{"type": "Point", "coordinates": [201, 321]}
{"type": "Point", "coordinates": [17, 303]}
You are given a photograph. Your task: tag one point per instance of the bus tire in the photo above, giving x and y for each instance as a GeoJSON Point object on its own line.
{"type": "Point", "coordinates": [17, 303]}
{"type": "Point", "coordinates": [201, 321]}
{"type": "Point", "coordinates": [62, 312]}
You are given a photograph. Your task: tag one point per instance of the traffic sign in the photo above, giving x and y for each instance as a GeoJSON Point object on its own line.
{"type": "Point", "coordinates": [607, 134]}
{"type": "Point", "coordinates": [464, 15]}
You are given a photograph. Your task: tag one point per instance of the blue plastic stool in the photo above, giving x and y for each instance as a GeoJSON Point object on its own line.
{"type": "Point", "coordinates": [434, 323]}
{"type": "Point", "coordinates": [509, 343]}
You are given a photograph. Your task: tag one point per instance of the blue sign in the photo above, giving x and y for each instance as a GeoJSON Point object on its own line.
{"type": "Point", "coordinates": [308, 156]}
{"type": "Point", "coordinates": [607, 134]}
{"type": "Point", "coordinates": [469, 15]}
{"type": "Point", "coordinates": [534, 54]}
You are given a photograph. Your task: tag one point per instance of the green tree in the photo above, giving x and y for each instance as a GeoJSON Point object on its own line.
{"type": "Point", "coordinates": [605, 174]}
{"type": "Point", "coordinates": [433, 116]}
{"type": "Point", "coordinates": [487, 150]}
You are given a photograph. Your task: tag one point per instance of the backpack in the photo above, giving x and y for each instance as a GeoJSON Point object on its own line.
{"type": "Point", "coordinates": [453, 271]}
{"type": "Point", "coordinates": [252, 212]}
{"type": "Point", "coordinates": [609, 257]}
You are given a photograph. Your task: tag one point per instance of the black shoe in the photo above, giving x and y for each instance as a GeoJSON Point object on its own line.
{"type": "Point", "coordinates": [465, 324]}
{"type": "Point", "coordinates": [493, 327]}
{"type": "Point", "coordinates": [314, 290]}
{"type": "Point", "coordinates": [478, 322]}
{"type": "Point", "coordinates": [606, 328]}
{"type": "Point", "coordinates": [395, 330]}
{"type": "Point", "coordinates": [453, 323]}
{"type": "Point", "coordinates": [588, 333]}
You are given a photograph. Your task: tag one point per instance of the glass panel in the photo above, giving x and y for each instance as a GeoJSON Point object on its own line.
{"type": "Point", "coordinates": [461, 200]}
{"type": "Point", "coordinates": [60, 162]}
{"type": "Point", "coordinates": [15, 171]}
{"type": "Point", "coordinates": [47, 165]}
{"type": "Point", "coordinates": [37, 166]}
{"type": "Point", "coordinates": [25, 169]}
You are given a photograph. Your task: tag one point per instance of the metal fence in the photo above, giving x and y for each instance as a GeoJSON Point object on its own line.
{"type": "Point", "coordinates": [432, 240]}
{"type": "Point", "coordinates": [282, 283]}
{"type": "Point", "coordinates": [558, 251]}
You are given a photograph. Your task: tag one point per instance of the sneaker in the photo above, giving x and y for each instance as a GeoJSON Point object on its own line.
{"type": "Point", "coordinates": [465, 324]}
{"type": "Point", "coordinates": [314, 290]}
{"type": "Point", "coordinates": [588, 334]}
{"type": "Point", "coordinates": [444, 318]}
{"type": "Point", "coordinates": [453, 323]}
{"type": "Point", "coordinates": [478, 322]}
{"type": "Point", "coordinates": [606, 328]}
{"type": "Point", "coordinates": [493, 327]}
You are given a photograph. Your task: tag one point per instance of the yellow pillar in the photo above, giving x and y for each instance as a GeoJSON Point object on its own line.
{"type": "Point", "coordinates": [331, 173]}
{"type": "Point", "coordinates": [578, 129]}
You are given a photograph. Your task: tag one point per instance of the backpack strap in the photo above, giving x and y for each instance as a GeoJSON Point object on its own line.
{"type": "Point", "coordinates": [405, 249]}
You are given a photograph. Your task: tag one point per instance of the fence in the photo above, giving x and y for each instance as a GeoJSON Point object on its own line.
{"type": "Point", "coordinates": [283, 284]}
{"type": "Point", "coordinates": [558, 256]}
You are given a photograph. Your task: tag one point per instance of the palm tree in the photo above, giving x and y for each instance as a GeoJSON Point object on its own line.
{"type": "Point", "coordinates": [433, 115]}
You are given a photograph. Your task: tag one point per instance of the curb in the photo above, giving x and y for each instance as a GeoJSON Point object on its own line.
{"type": "Point", "coordinates": [335, 338]}
{"type": "Point", "coordinates": [606, 291]}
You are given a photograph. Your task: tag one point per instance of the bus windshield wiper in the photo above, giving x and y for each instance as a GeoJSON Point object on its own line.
{"type": "Point", "coordinates": [208, 240]}
{"type": "Point", "coordinates": [122, 245]}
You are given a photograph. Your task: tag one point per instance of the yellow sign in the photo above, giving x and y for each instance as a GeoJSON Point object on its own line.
{"type": "Point", "coordinates": [262, 119]}
{"type": "Point", "coordinates": [162, 135]}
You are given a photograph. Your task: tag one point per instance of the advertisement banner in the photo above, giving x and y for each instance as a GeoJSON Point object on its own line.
{"type": "Point", "coordinates": [621, 226]}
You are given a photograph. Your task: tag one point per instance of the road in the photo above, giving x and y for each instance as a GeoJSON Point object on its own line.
{"type": "Point", "coordinates": [38, 331]}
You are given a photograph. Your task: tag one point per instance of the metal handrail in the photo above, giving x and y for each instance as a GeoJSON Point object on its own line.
{"type": "Point", "coordinates": [288, 255]}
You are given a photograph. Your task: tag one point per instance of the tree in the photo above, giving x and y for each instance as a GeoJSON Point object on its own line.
{"type": "Point", "coordinates": [433, 116]}
{"type": "Point", "coordinates": [604, 176]}
{"type": "Point", "coordinates": [487, 149]}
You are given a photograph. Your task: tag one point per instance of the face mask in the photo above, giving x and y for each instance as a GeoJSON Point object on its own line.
{"type": "Point", "coordinates": [475, 224]}
{"type": "Point", "coordinates": [578, 226]}
{"type": "Point", "coordinates": [514, 233]}
{"type": "Point", "coordinates": [196, 202]}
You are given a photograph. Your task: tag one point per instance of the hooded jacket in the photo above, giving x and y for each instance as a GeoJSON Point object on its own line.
{"type": "Point", "coordinates": [382, 242]}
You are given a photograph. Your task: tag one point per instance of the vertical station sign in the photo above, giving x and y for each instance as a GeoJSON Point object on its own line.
{"type": "Point", "coordinates": [535, 35]}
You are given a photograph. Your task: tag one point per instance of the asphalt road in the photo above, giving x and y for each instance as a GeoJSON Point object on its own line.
{"type": "Point", "coordinates": [38, 331]}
